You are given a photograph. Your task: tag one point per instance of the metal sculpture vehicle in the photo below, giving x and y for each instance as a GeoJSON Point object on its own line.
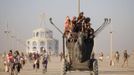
{"type": "Point", "coordinates": [79, 47]}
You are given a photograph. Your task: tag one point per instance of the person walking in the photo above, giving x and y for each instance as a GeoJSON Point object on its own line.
{"type": "Point", "coordinates": [17, 65]}
{"type": "Point", "coordinates": [10, 61]}
{"type": "Point", "coordinates": [101, 56]}
{"type": "Point", "coordinates": [22, 59]}
{"type": "Point", "coordinates": [117, 56]}
{"type": "Point", "coordinates": [44, 61]}
{"type": "Point", "coordinates": [36, 61]}
{"type": "Point", "coordinates": [61, 56]}
{"type": "Point", "coordinates": [125, 58]}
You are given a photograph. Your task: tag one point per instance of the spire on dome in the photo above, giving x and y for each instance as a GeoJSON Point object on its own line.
{"type": "Point", "coordinates": [42, 16]}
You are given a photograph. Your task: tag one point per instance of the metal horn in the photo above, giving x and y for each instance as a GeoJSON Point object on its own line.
{"type": "Point", "coordinates": [50, 19]}
{"type": "Point", "coordinates": [106, 22]}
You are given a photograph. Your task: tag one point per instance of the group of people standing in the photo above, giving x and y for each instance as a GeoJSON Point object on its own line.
{"type": "Point", "coordinates": [14, 61]}
{"type": "Point", "coordinates": [116, 57]}
{"type": "Point", "coordinates": [78, 24]}
{"type": "Point", "coordinates": [79, 30]}
{"type": "Point", "coordinates": [37, 58]}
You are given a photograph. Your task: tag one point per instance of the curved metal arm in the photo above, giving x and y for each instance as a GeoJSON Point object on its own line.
{"type": "Point", "coordinates": [55, 26]}
{"type": "Point", "coordinates": [106, 22]}
{"type": "Point", "coordinates": [62, 37]}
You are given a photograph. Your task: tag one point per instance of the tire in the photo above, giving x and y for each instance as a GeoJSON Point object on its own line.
{"type": "Point", "coordinates": [95, 67]}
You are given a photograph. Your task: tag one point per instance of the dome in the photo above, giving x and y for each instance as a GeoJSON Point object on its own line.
{"type": "Point", "coordinates": [42, 32]}
{"type": "Point", "coordinates": [42, 39]}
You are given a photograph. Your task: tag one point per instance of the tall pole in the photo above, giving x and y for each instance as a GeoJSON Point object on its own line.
{"type": "Point", "coordinates": [42, 19]}
{"type": "Point", "coordinates": [111, 46]}
{"type": "Point", "coordinates": [63, 37]}
{"type": "Point", "coordinates": [78, 7]}
{"type": "Point", "coordinates": [7, 32]}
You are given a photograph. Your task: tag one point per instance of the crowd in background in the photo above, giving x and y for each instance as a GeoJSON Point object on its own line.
{"type": "Point", "coordinates": [11, 59]}
{"type": "Point", "coordinates": [116, 58]}
{"type": "Point", "coordinates": [15, 60]}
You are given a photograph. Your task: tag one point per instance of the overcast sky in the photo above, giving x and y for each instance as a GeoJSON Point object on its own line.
{"type": "Point", "coordinates": [23, 16]}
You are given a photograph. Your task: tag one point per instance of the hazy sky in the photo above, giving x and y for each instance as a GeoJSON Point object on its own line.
{"type": "Point", "coordinates": [23, 16]}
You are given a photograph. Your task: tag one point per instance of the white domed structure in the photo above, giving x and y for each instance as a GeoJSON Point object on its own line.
{"type": "Point", "coordinates": [42, 39]}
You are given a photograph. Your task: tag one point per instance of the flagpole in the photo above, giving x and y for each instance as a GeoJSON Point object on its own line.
{"type": "Point", "coordinates": [78, 7]}
{"type": "Point", "coordinates": [111, 46]}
